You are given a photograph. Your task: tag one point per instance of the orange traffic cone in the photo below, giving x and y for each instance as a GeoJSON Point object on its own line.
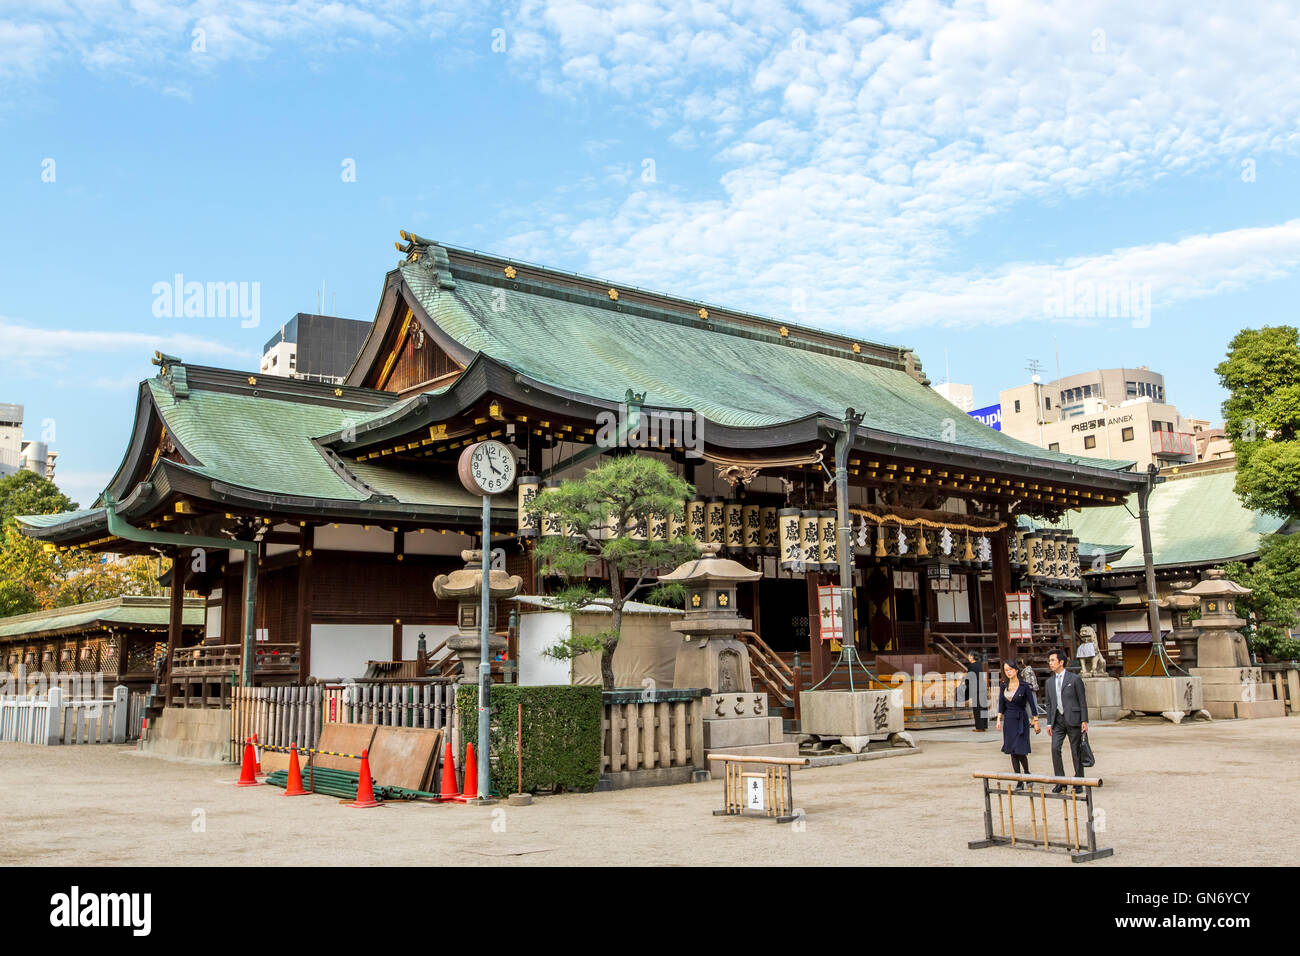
{"type": "Point", "coordinates": [257, 757]}
{"type": "Point", "coordinates": [247, 769]}
{"type": "Point", "coordinates": [471, 776]}
{"type": "Point", "coordinates": [294, 788]}
{"type": "Point", "coordinates": [365, 787]}
{"type": "Point", "coordinates": [449, 789]}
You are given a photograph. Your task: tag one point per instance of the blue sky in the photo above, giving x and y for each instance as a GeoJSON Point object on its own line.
{"type": "Point", "coordinates": [923, 173]}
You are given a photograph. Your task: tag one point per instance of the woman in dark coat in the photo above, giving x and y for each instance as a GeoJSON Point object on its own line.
{"type": "Point", "coordinates": [1017, 715]}
{"type": "Point", "coordinates": [975, 690]}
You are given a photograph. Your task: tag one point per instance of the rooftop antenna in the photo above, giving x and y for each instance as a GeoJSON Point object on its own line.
{"type": "Point", "coordinates": [1035, 368]}
{"type": "Point", "coordinates": [1057, 344]}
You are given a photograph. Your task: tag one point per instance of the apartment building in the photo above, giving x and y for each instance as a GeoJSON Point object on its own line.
{"type": "Point", "coordinates": [1112, 413]}
{"type": "Point", "coordinates": [18, 453]}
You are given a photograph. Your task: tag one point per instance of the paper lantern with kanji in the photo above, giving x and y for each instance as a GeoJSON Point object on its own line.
{"type": "Point", "coordinates": [526, 490]}
{"type": "Point", "coordinates": [752, 521]}
{"type": "Point", "coordinates": [790, 539]}
{"type": "Point", "coordinates": [810, 538]}
{"type": "Point", "coordinates": [827, 550]}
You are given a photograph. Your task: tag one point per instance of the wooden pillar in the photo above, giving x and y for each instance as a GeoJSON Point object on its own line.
{"type": "Point", "coordinates": [397, 639]}
{"type": "Point", "coordinates": [1001, 585]}
{"type": "Point", "coordinates": [305, 602]}
{"type": "Point", "coordinates": [175, 618]}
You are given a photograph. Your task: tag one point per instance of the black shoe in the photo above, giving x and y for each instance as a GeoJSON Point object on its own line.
{"type": "Point", "coordinates": [1059, 788]}
{"type": "Point", "coordinates": [1020, 785]}
{"type": "Point", "coordinates": [1078, 789]}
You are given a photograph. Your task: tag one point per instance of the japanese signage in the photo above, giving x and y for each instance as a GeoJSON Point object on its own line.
{"type": "Point", "coordinates": [830, 612]}
{"type": "Point", "coordinates": [1020, 616]}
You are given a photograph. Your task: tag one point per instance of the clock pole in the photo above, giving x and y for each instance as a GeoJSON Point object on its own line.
{"type": "Point", "coordinates": [485, 664]}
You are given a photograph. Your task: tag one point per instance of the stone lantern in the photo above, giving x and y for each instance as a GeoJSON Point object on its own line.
{"type": "Point", "coordinates": [1231, 685]}
{"type": "Point", "coordinates": [711, 655]}
{"type": "Point", "coordinates": [736, 720]}
{"type": "Point", "coordinates": [465, 587]}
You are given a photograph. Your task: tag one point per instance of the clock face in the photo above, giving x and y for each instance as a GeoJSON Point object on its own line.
{"type": "Point", "coordinates": [487, 468]}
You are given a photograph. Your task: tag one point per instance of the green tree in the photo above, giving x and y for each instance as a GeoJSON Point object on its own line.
{"type": "Point", "coordinates": [1275, 603]}
{"type": "Point", "coordinates": [1262, 416]}
{"type": "Point", "coordinates": [627, 493]}
{"type": "Point", "coordinates": [34, 579]}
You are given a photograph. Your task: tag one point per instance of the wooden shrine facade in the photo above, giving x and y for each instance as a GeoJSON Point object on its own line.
{"type": "Point", "coordinates": [346, 497]}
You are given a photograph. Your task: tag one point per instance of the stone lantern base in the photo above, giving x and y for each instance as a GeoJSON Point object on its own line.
{"type": "Point", "coordinates": [854, 717]}
{"type": "Point", "coordinates": [467, 650]}
{"type": "Point", "coordinates": [1173, 698]}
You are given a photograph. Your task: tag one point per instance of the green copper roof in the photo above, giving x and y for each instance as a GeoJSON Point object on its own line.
{"type": "Point", "coordinates": [1194, 519]}
{"type": "Point", "coordinates": [121, 612]}
{"type": "Point", "coordinates": [266, 445]}
{"type": "Point", "coordinates": [571, 342]}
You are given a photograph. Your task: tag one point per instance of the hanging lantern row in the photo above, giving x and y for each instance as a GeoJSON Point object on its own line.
{"type": "Point", "coordinates": [1048, 557]}
{"type": "Point", "coordinates": [738, 527]}
{"type": "Point", "coordinates": [806, 540]}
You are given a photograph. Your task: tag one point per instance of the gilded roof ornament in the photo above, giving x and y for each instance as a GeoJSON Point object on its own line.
{"type": "Point", "coordinates": [613, 295]}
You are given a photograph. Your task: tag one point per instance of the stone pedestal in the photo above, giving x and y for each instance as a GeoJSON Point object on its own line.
{"type": "Point", "coordinates": [718, 663]}
{"type": "Point", "coordinates": [1238, 693]}
{"type": "Point", "coordinates": [740, 724]}
{"type": "Point", "coordinates": [855, 718]}
{"type": "Point", "coordinates": [1103, 695]}
{"type": "Point", "coordinates": [1231, 685]}
{"type": "Point", "coordinates": [1173, 698]}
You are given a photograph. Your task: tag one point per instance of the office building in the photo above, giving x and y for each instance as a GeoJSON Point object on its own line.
{"type": "Point", "coordinates": [319, 348]}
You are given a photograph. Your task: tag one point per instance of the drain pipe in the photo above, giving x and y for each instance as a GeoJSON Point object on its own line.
{"type": "Point", "coordinates": [120, 528]}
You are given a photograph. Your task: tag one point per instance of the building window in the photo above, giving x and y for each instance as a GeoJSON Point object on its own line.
{"type": "Point", "coordinates": [1047, 399]}
{"type": "Point", "coordinates": [1131, 389]}
{"type": "Point", "coordinates": [1017, 406]}
{"type": "Point", "coordinates": [1089, 441]}
{"type": "Point", "coordinates": [1126, 434]}
{"type": "Point", "coordinates": [1054, 446]}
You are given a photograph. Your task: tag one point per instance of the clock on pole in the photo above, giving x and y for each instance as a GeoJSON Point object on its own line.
{"type": "Point", "coordinates": [485, 468]}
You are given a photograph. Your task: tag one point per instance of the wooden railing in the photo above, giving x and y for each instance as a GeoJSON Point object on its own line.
{"type": "Point", "coordinates": [1286, 684]}
{"type": "Point", "coordinates": [652, 730]}
{"type": "Point", "coordinates": [204, 676]}
{"type": "Point", "coordinates": [771, 674]}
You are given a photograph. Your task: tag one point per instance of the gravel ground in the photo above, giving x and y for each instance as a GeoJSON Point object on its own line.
{"type": "Point", "coordinates": [1194, 795]}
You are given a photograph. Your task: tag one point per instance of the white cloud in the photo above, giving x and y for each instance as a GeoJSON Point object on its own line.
{"type": "Point", "coordinates": [19, 341]}
{"type": "Point", "coordinates": [855, 151]}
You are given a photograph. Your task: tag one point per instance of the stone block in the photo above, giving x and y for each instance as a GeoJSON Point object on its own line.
{"type": "Point", "coordinates": [1221, 649]}
{"type": "Point", "coordinates": [732, 706]}
{"type": "Point", "coordinates": [1221, 709]}
{"type": "Point", "coordinates": [1256, 709]}
{"type": "Point", "coordinates": [740, 732]}
{"type": "Point", "coordinates": [1227, 675]}
{"type": "Point", "coordinates": [1103, 695]}
{"type": "Point", "coordinates": [841, 713]}
{"type": "Point", "coordinates": [1173, 697]}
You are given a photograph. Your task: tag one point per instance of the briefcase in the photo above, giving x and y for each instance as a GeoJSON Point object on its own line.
{"type": "Point", "coordinates": [1085, 751]}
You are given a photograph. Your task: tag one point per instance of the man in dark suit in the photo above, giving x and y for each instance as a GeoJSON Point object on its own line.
{"type": "Point", "coordinates": [1067, 716]}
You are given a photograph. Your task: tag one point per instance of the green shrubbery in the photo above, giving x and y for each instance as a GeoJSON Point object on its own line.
{"type": "Point", "coordinates": [562, 735]}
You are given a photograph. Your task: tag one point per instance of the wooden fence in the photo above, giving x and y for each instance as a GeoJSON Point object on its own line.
{"type": "Point", "coordinates": [428, 705]}
{"type": "Point", "coordinates": [60, 719]}
{"type": "Point", "coordinates": [646, 732]}
{"type": "Point", "coordinates": [281, 716]}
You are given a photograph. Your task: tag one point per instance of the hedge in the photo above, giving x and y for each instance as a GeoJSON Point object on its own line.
{"type": "Point", "coordinates": [563, 727]}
